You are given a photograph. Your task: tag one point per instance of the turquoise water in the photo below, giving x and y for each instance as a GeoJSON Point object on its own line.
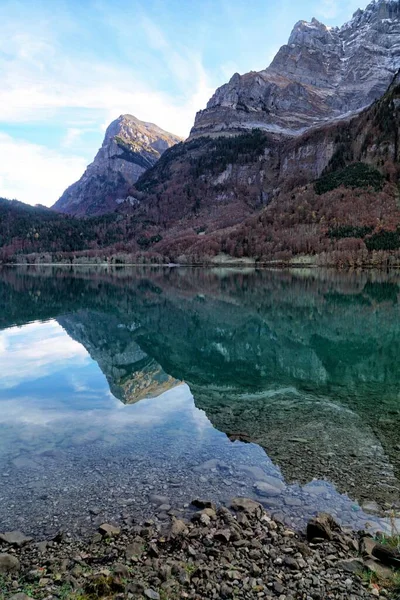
{"type": "Point", "coordinates": [118, 387]}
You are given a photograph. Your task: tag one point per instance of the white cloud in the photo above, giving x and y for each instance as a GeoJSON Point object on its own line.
{"type": "Point", "coordinates": [72, 136]}
{"type": "Point", "coordinates": [328, 9]}
{"type": "Point", "coordinates": [40, 81]}
{"type": "Point", "coordinates": [43, 82]}
{"type": "Point", "coordinates": [34, 350]}
{"type": "Point", "coordinates": [109, 415]}
{"type": "Point", "coordinates": [34, 174]}
{"type": "Point", "coordinates": [338, 9]}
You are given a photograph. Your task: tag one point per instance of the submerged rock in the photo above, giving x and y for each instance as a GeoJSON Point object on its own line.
{"type": "Point", "coordinates": [266, 489]}
{"type": "Point", "coordinates": [159, 500]}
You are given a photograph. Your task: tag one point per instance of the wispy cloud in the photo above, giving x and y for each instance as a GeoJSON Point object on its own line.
{"type": "Point", "coordinates": [34, 351]}
{"type": "Point", "coordinates": [43, 80]}
{"type": "Point", "coordinates": [34, 174]}
{"type": "Point", "coordinates": [111, 416]}
{"type": "Point", "coordinates": [328, 9]}
{"type": "Point", "coordinates": [72, 136]}
{"type": "Point", "coordinates": [337, 9]}
{"type": "Point", "coordinates": [73, 70]}
{"type": "Point", "coordinates": [48, 81]}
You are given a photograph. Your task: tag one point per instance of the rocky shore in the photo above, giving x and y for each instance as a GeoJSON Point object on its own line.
{"type": "Point", "coordinates": [236, 552]}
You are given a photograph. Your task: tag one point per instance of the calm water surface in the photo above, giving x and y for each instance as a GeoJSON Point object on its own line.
{"type": "Point", "coordinates": [124, 393]}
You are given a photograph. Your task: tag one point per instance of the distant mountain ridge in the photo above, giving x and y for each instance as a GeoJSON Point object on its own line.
{"type": "Point", "coordinates": [25, 229]}
{"type": "Point", "coordinates": [130, 147]}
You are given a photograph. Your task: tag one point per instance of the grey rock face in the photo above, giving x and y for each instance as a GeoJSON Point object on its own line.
{"type": "Point", "coordinates": [320, 75]}
{"type": "Point", "coordinates": [130, 147]}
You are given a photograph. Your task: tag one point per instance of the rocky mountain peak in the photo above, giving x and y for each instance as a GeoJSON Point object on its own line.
{"type": "Point", "coordinates": [129, 148]}
{"type": "Point", "coordinates": [321, 74]}
{"type": "Point", "coordinates": [377, 11]}
{"type": "Point", "coordinates": [311, 34]}
{"type": "Point", "coordinates": [380, 9]}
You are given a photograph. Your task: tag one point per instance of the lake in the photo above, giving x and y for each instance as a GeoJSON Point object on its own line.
{"type": "Point", "coordinates": [127, 393]}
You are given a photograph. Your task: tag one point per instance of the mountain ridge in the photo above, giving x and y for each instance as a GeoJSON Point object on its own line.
{"type": "Point", "coordinates": [130, 147]}
{"type": "Point", "coordinates": [321, 74]}
{"type": "Point", "coordinates": [328, 190]}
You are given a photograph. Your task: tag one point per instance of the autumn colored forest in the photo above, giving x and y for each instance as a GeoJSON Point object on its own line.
{"type": "Point", "coordinates": [208, 200]}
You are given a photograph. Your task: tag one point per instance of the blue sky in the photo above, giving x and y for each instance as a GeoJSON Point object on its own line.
{"type": "Point", "coordinates": [69, 67]}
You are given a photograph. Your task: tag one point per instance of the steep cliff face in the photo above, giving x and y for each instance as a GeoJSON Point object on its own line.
{"type": "Point", "coordinates": [266, 134]}
{"type": "Point", "coordinates": [243, 184]}
{"type": "Point", "coordinates": [201, 188]}
{"type": "Point", "coordinates": [322, 74]}
{"type": "Point", "coordinates": [130, 147]}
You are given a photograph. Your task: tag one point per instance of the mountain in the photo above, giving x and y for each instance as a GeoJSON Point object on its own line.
{"type": "Point", "coordinates": [268, 196]}
{"type": "Point", "coordinates": [129, 148]}
{"type": "Point", "coordinates": [310, 176]}
{"type": "Point", "coordinates": [322, 74]}
{"type": "Point", "coordinates": [28, 229]}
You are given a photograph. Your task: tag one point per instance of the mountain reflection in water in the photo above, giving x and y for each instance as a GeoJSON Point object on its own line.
{"type": "Point", "coordinates": [302, 364]}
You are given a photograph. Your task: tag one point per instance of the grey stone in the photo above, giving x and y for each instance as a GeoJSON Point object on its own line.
{"type": "Point", "coordinates": [121, 569]}
{"type": "Point", "coordinates": [371, 507]}
{"type": "Point", "coordinates": [109, 530]}
{"type": "Point", "coordinates": [159, 500]}
{"type": "Point", "coordinates": [15, 538]}
{"type": "Point", "coordinates": [291, 563]}
{"type": "Point", "coordinates": [321, 527]}
{"type": "Point", "coordinates": [136, 548]}
{"type": "Point", "coordinates": [367, 545]}
{"type": "Point", "coordinates": [9, 564]}
{"type": "Point", "coordinates": [246, 505]}
{"type": "Point", "coordinates": [378, 568]}
{"type": "Point", "coordinates": [293, 502]}
{"type": "Point", "coordinates": [387, 555]}
{"type": "Point", "coordinates": [95, 510]}
{"type": "Point", "coordinates": [178, 527]}
{"type": "Point", "coordinates": [223, 535]}
{"type": "Point", "coordinates": [42, 547]}
{"type": "Point", "coordinates": [153, 595]}
{"type": "Point", "coordinates": [209, 465]}
{"type": "Point", "coordinates": [351, 565]}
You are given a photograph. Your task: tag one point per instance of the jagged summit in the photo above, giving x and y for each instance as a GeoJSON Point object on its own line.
{"type": "Point", "coordinates": [321, 74]}
{"type": "Point", "coordinates": [130, 147]}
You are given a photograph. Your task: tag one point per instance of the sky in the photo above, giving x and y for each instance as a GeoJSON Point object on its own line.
{"type": "Point", "coordinates": [70, 67]}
